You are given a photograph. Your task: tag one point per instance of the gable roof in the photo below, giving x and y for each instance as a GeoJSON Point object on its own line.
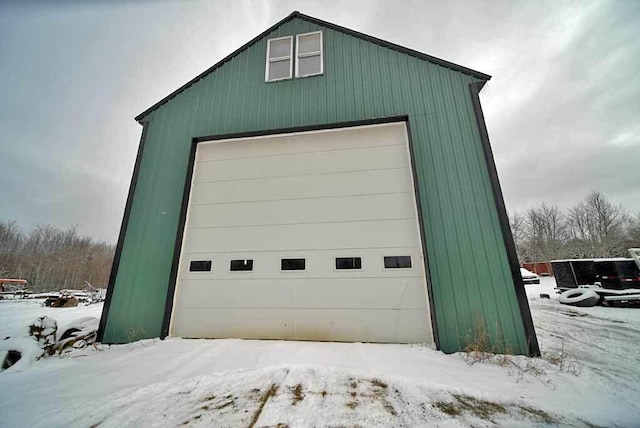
{"type": "Point", "coordinates": [296, 14]}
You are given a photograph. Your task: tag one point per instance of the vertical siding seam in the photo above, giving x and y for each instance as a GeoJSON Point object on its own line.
{"type": "Point", "coordinates": [459, 153]}
{"type": "Point", "coordinates": [446, 322]}
{"type": "Point", "coordinates": [500, 253]}
{"type": "Point", "coordinates": [453, 246]}
{"type": "Point", "coordinates": [492, 301]}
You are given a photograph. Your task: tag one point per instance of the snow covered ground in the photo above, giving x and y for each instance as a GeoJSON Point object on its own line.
{"type": "Point", "coordinates": [16, 315]}
{"type": "Point", "coordinates": [595, 379]}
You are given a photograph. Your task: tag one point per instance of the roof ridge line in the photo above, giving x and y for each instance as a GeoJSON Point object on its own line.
{"type": "Point", "coordinates": [397, 47]}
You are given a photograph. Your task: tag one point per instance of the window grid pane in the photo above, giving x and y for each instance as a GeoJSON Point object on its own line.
{"type": "Point", "coordinates": [309, 65]}
{"type": "Point", "coordinates": [280, 69]}
{"type": "Point", "coordinates": [279, 48]}
{"type": "Point", "coordinates": [309, 44]}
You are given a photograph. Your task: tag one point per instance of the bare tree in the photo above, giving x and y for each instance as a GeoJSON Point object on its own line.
{"type": "Point", "coordinates": [545, 232]}
{"type": "Point", "coordinates": [517, 223]}
{"type": "Point", "coordinates": [633, 231]}
{"type": "Point", "coordinates": [52, 259]}
{"type": "Point", "coordinates": [597, 227]}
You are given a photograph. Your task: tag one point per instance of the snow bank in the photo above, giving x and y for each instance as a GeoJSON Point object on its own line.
{"type": "Point", "coordinates": [16, 315]}
{"type": "Point", "coordinates": [29, 349]}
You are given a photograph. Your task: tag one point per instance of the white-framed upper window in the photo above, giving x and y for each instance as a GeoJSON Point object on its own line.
{"type": "Point", "coordinates": [309, 61]}
{"type": "Point", "coordinates": [279, 59]}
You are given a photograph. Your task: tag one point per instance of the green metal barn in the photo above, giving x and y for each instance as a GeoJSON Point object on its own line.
{"type": "Point", "coordinates": [319, 184]}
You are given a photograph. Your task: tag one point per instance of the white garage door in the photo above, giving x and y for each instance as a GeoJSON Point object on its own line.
{"type": "Point", "coordinates": [310, 236]}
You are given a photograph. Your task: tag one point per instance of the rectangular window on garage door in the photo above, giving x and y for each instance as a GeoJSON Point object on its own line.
{"type": "Point", "coordinates": [241, 265]}
{"type": "Point", "coordinates": [397, 262]}
{"type": "Point", "coordinates": [200, 266]}
{"type": "Point", "coordinates": [343, 263]}
{"type": "Point", "coordinates": [292, 264]}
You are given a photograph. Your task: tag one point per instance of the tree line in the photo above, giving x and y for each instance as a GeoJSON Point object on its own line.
{"type": "Point", "coordinates": [592, 228]}
{"type": "Point", "coordinates": [53, 259]}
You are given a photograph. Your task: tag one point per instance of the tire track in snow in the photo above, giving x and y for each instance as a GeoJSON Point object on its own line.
{"type": "Point", "coordinates": [606, 349]}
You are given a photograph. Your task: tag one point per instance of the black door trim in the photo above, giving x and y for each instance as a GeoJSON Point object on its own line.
{"type": "Point", "coordinates": [187, 190]}
{"type": "Point", "coordinates": [423, 240]}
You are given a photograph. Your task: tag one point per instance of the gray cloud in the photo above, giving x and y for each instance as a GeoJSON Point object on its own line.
{"type": "Point", "coordinates": [562, 108]}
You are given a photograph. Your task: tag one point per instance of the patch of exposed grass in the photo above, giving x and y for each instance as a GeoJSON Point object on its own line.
{"type": "Point", "coordinates": [263, 401]}
{"type": "Point", "coordinates": [389, 408]}
{"type": "Point", "coordinates": [352, 405]}
{"type": "Point", "coordinates": [481, 345]}
{"type": "Point", "coordinates": [537, 414]}
{"type": "Point", "coordinates": [380, 393]}
{"type": "Point", "coordinates": [378, 383]}
{"type": "Point", "coordinates": [298, 394]}
{"type": "Point", "coordinates": [486, 410]}
{"type": "Point", "coordinates": [481, 408]}
{"type": "Point", "coordinates": [209, 397]}
{"type": "Point", "coordinates": [227, 404]}
{"type": "Point", "coordinates": [566, 361]}
{"type": "Point", "coordinates": [451, 409]}
{"type": "Point", "coordinates": [466, 404]}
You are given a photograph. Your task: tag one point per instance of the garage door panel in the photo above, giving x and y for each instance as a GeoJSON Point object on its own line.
{"type": "Point", "coordinates": [303, 324]}
{"type": "Point", "coordinates": [273, 189]}
{"type": "Point", "coordinates": [345, 325]}
{"type": "Point", "coordinates": [368, 293]}
{"type": "Point", "coordinates": [413, 326]}
{"type": "Point", "coordinates": [391, 326]}
{"type": "Point", "coordinates": [234, 323]}
{"type": "Point", "coordinates": [370, 234]}
{"type": "Point", "coordinates": [293, 143]}
{"type": "Point", "coordinates": [319, 264]}
{"type": "Point", "coordinates": [348, 208]}
{"type": "Point", "coordinates": [241, 292]}
{"type": "Point", "coordinates": [322, 162]}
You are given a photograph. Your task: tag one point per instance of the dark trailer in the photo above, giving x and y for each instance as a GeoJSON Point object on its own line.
{"type": "Point", "coordinates": [611, 273]}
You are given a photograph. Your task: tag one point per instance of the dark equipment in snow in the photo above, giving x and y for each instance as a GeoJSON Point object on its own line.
{"type": "Point", "coordinates": [610, 274]}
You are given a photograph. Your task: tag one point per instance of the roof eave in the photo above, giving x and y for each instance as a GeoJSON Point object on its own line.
{"type": "Point", "coordinates": [408, 51]}
{"type": "Point", "coordinates": [139, 117]}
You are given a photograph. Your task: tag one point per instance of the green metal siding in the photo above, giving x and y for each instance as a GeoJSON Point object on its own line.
{"type": "Point", "coordinates": [469, 268]}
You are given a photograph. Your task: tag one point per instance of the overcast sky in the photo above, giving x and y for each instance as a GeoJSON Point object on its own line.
{"type": "Point", "coordinates": [562, 108]}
